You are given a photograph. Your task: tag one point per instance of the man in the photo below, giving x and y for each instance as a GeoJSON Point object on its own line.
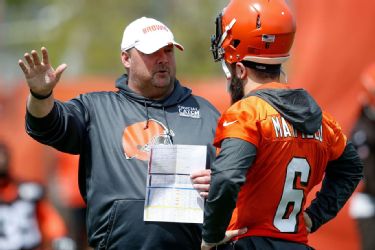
{"type": "Point", "coordinates": [362, 206]}
{"type": "Point", "coordinates": [113, 133]}
{"type": "Point", "coordinates": [27, 219]}
{"type": "Point", "coordinates": [275, 142]}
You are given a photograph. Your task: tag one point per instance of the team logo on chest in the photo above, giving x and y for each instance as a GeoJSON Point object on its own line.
{"type": "Point", "coordinates": [192, 112]}
{"type": "Point", "coordinates": [138, 138]}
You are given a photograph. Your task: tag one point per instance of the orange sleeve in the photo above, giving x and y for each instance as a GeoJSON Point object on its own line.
{"type": "Point", "coordinates": [51, 224]}
{"type": "Point", "coordinates": [240, 121]}
{"type": "Point", "coordinates": [337, 140]}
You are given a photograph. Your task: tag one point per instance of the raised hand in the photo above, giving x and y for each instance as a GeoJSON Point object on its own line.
{"type": "Point", "coordinates": [40, 75]}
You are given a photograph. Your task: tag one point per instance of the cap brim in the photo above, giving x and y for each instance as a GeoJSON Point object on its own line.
{"type": "Point", "coordinates": [149, 48]}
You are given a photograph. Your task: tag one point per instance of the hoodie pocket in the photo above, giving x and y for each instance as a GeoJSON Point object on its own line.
{"type": "Point", "coordinates": [112, 216]}
{"type": "Point", "coordinates": [126, 229]}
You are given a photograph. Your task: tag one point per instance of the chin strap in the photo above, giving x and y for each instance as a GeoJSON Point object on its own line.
{"type": "Point", "coordinates": [284, 75]}
{"type": "Point", "coordinates": [224, 66]}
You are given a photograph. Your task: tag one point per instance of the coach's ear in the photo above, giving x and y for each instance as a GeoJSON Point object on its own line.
{"type": "Point", "coordinates": [126, 59]}
{"type": "Point", "coordinates": [240, 71]}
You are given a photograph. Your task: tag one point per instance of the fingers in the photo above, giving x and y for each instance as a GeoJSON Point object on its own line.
{"type": "Point", "coordinates": [201, 176]}
{"type": "Point", "coordinates": [204, 172]}
{"type": "Point", "coordinates": [240, 231]}
{"type": "Point", "coordinates": [202, 187]}
{"type": "Point", "coordinates": [38, 72]}
{"type": "Point", "coordinates": [204, 195]}
{"type": "Point", "coordinates": [60, 70]}
{"type": "Point", "coordinates": [201, 181]}
{"type": "Point", "coordinates": [308, 222]}
{"type": "Point", "coordinates": [233, 233]}
{"type": "Point", "coordinates": [29, 60]}
{"type": "Point", "coordinates": [35, 57]}
{"type": "Point", "coordinates": [45, 58]}
{"type": "Point", "coordinates": [23, 67]}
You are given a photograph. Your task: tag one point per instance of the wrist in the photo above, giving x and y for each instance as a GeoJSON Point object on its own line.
{"type": "Point", "coordinates": [206, 245]}
{"type": "Point", "coordinates": [39, 96]}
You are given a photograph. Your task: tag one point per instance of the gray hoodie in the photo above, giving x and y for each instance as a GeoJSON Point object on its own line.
{"type": "Point", "coordinates": [113, 133]}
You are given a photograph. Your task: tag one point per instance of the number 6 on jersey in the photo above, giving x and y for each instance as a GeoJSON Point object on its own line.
{"type": "Point", "coordinates": [292, 198]}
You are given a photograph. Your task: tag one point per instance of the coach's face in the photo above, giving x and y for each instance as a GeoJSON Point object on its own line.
{"type": "Point", "coordinates": [151, 75]}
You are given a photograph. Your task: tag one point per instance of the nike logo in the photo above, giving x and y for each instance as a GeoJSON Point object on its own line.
{"type": "Point", "coordinates": [228, 123]}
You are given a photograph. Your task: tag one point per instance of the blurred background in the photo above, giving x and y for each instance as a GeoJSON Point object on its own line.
{"type": "Point", "coordinates": [333, 46]}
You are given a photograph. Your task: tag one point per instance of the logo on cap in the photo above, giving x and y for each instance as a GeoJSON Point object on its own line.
{"type": "Point", "coordinates": [154, 28]}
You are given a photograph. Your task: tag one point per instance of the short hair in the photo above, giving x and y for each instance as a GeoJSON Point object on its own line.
{"type": "Point", "coordinates": [264, 71]}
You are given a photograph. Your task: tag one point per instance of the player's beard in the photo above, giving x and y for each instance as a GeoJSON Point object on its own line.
{"type": "Point", "coordinates": [236, 89]}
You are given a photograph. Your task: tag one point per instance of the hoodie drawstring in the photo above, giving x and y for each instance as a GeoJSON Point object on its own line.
{"type": "Point", "coordinates": [147, 117]}
{"type": "Point", "coordinates": [166, 123]}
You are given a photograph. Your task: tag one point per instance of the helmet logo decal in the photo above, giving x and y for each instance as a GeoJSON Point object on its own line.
{"type": "Point", "coordinates": [138, 140]}
{"type": "Point", "coordinates": [268, 38]}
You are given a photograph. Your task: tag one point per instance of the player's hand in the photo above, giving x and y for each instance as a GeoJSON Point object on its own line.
{"type": "Point", "coordinates": [201, 181]}
{"type": "Point", "coordinates": [228, 236]}
{"type": "Point", "coordinates": [40, 75]}
{"type": "Point", "coordinates": [308, 222]}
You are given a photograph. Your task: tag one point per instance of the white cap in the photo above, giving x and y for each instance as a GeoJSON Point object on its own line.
{"type": "Point", "coordinates": [147, 35]}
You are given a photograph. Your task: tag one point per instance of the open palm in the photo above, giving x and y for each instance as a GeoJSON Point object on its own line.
{"type": "Point", "coordinates": [40, 76]}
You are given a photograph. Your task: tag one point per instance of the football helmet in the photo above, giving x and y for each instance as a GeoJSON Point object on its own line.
{"type": "Point", "coordinates": [260, 31]}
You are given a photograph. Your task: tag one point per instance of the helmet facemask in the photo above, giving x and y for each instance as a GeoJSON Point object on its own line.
{"type": "Point", "coordinates": [217, 40]}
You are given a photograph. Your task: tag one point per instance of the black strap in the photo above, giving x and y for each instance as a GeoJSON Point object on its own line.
{"type": "Point", "coordinates": [268, 68]}
{"type": "Point", "coordinates": [40, 97]}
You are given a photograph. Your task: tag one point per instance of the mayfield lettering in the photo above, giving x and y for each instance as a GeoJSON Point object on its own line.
{"type": "Point", "coordinates": [284, 129]}
{"type": "Point", "coordinates": [137, 139]}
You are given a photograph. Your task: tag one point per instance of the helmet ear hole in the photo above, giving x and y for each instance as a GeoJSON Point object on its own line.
{"type": "Point", "coordinates": [235, 43]}
{"type": "Point", "coordinates": [258, 23]}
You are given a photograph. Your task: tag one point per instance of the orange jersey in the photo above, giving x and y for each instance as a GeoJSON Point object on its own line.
{"type": "Point", "coordinates": [287, 166]}
{"type": "Point", "coordinates": [27, 219]}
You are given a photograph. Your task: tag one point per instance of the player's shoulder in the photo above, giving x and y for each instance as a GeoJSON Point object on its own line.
{"type": "Point", "coordinates": [250, 104]}
{"type": "Point", "coordinates": [330, 121]}
{"type": "Point", "coordinates": [332, 129]}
